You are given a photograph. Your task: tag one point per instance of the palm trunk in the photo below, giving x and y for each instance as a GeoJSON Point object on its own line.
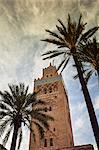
{"type": "Point", "coordinates": [88, 101]}
{"type": "Point", "coordinates": [14, 138]}
{"type": "Point", "coordinates": [98, 76]}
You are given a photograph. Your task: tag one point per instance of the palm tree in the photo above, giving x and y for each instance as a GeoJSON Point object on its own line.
{"type": "Point", "coordinates": [89, 55]}
{"type": "Point", "coordinates": [17, 107]}
{"type": "Point", "coordinates": [69, 41]}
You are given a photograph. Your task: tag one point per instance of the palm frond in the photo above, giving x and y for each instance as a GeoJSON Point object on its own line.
{"type": "Point", "coordinates": [41, 109]}
{"type": "Point", "coordinates": [6, 98]}
{"type": "Point", "coordinates": [50, 52]}
{"type": "Point", "coordinates": [42, 118]}
{"type": "Point", "coordinates": [40, 129]}
{"type": "Point", "coordinates": [29, 99]}
{"type": "Point", "coordinates": [22, 88]}
{"type": "Point", "coordinates": [88, 75]}
{"type": "Point", "coordinates": [3, 125]}
{"type": "Point", "coordinates": [7, 136]}
{"type": "Point", "coordinates": [53, 41]}
{"type": "Point", "coordinates": [66, 62]}
{"type": "Point", "coordinates": [88, 34]}
{"type": "Point", "coordinates": [61, 31]}
{"type": "Point", "coordinates": [62, 25]}
{"type": "Point", "coordinates": [80, 27]}
{"type": "Point", "coordinates": [26, 90]}
{"type": "Point", "coordinates": [53, 55]}
{"type": "Point", "coordinates": [4, 107]}
{"type": "Point", "coordinates": [38, 102]}
{"type": "Point", "coordinates": [55, 35]}
{"type": "Point", "coordinates": [13, 90]}
{"type": "Point", "coordinates": [32, 131]}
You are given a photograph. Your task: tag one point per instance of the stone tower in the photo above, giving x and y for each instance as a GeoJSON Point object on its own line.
{"type": "Point", "coordinates": [51, 89]}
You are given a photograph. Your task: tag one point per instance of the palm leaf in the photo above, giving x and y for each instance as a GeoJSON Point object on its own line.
{"type": "Point", "coordinates": [88, 34]}
{"type": "Point", "coordinates": [3, 125]}
{"type": "Point", "coordinates": [88, 75]}
{"type": "Point", "coordinates": [4, 107]}
{"type": "Point", "coordinates": [55, 35]}
{"type": "Point", "coordinates": [7, 136]}
{"type": "Point", "coordinates": [6, 98]}
{"type": "Point", "coordinates": [66, 62]}
{"type": "Point", "coordinates": [62, 25]}
{"type": "Point", "coordinates": [38, 102]}
{"type": "Point", "coordinates": [60, 65]}
{"type": "Point", "coordinates": [53, 55]}
{"type": "Point", "coordinates": [53, 41]}
{"type": "Point", "coordinates": [61, 31]}
{"type": "Point", "coordinates": [50, 52]}
{"type": "Point", "coordinates": [12, 89]}
{"type": "Point", "coordinates": [32, 131]}
{"type": "Point", "coordinates": [80, 27]}
{"type": "Point", "coordinates": [41, 109]}
{"type": "Point", "coordinates": [40, 129]}
{"type": "Point", "coordinates": [41, 116]}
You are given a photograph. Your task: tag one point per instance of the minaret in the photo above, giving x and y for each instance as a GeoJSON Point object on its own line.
{"type": "Point", "coordinates": [51, 89]}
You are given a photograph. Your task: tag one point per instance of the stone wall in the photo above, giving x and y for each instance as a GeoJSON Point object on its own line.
{"type": "Point", "coordinates": [80, 147]}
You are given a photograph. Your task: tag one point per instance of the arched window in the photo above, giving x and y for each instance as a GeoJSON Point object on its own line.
{"type": "Point", "coordinates": [54, 129]}
{"type": "Point", "coordinates": [45, 90]}
{"type": "Point", "coordinates": [45, 143]}
{"type": "Point", "coordinates": [50, 108]}
{"type": "Point", "coordinates": [46, 109]}
{"type": "Point", "coordinates": [51, 141]}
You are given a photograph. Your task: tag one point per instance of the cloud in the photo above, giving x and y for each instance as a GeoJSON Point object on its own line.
{"type": "Point", "coordinates": [79, 124]}
{"type": "Point", "coordinates": [96, 105]}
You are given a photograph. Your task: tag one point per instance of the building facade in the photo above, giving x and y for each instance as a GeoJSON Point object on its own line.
{"type": "Point", "coordinates": [52, 90]}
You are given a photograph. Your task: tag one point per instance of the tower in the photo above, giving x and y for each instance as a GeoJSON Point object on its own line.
{"type": "Point", "coordinates": [51, 89]}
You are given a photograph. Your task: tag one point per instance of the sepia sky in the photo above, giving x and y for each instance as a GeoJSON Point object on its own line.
{"type": "Point", "coordinates": [22, 26]}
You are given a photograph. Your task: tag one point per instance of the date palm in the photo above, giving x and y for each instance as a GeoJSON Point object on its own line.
{"type": "Point", "coordinates": [89, 55]}
{"type": "Point", "coordinates": [17, 107]}
{"type": "Point", "coordinates": [69, 40]}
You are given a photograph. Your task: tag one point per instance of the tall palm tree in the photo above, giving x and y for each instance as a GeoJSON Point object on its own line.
{"type": "Point", "coordinates": [69, 41]}
{"type": "Point", "coordinates": [17, 107]}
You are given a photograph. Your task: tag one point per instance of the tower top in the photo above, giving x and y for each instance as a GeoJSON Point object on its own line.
{"type": "Point", "coordinates": [50, 71]}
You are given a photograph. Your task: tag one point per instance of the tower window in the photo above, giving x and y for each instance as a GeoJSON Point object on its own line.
{"type": "Point", "coordinates": [50, 90]}
{"type": "Point", "coordinates": [45, 143]}
{"type": "Point", "coordinates": [45, 91]}
{"type": "Point", "coordinates": [54, 129]}
{"type": "Point", "coordinates": [51, 141]}
{"type": "Point", "coordinates": [45, 109]}
{"type": "Point", "coordinates": [50, 108]}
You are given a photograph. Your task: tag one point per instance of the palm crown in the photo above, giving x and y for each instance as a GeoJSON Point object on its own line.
{"type": "Point", "coordinates": [17, 107]}
{"type": "Point", "coordinates": [89, 55]}
{"type": "Point", "coordinates": [71, 38]}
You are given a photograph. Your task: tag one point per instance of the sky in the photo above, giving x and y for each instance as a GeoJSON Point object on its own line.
{"type": "Point", "coordinates": [22, 26]}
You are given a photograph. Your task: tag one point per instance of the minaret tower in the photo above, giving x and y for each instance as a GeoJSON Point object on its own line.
{"type": "Point", "coordinates": [51, 89]}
